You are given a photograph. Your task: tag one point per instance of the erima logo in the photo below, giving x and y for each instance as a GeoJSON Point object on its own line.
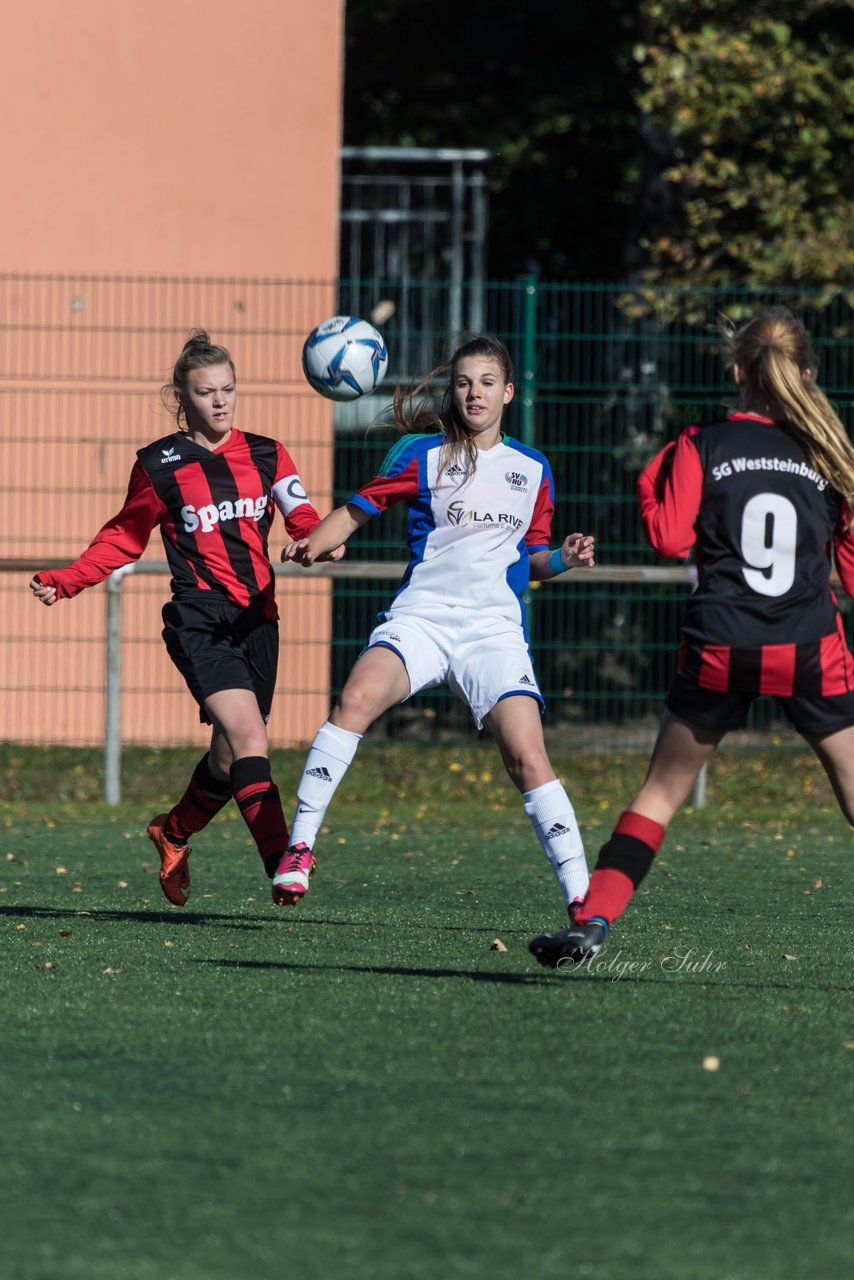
{"type": "Point", "coordinates": [210, 516]}
{"type": "Point", "coordinates": [322, 774]}
{"type": "Point", "coordinates": [526, 680]}
{"type": "Point", "coordinates": [457, 514]}
{"type": "Point", "coordinates": [389, 635]}
{"type": "Point", "coordinates": [557, 830]}
{"type": "Point", "coordinates": [169, 455]}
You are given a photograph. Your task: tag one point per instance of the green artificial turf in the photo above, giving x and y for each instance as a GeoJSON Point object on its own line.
{"type": "Point", "coordinates": [364, 1087]}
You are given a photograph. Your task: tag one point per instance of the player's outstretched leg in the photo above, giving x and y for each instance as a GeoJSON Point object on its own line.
{"type": "Point", "coordinates": [169, 832]}
{"type": "Point", "coordinates": [622, 864]}
{"type": "Point", "coordinates": [329, 758]}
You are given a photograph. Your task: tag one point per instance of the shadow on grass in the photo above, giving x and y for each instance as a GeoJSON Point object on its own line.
{"type": "Point", "coordinates": [141, 917]}
{"type": "Point", "coordinates": [537, 978]}
{"type": "Point", "coordinates": [393, 971]}
{"type": "Point", "coordinates": [180, 917]}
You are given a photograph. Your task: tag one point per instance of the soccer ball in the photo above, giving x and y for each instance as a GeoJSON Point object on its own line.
{"type": "Point", "coordinates": [344, 358]}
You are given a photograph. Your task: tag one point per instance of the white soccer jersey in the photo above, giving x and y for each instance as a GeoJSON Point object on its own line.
{"type": "Point", "coordinates": [469, 536]}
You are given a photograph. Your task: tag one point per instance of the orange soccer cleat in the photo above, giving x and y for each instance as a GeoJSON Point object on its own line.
{"type": "Point", "coordinates": [174, 868]}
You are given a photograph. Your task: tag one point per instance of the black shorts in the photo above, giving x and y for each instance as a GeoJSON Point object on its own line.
{"type": "Point", "coordinates": [813, 717]}
{"type": "Point", "coordinates": [219, 645]}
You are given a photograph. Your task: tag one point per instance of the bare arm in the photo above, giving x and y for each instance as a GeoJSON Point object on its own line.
{"type": "Point", "coordinates": [332, 532]}
{"type": "Point", "coordinates": [577, 550]}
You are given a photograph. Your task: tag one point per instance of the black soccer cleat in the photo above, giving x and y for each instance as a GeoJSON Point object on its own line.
{"type": "Point", "coordinates": [576, 945]}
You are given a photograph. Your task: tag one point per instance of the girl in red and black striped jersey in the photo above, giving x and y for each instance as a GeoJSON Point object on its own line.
{"type": "Point", "coordinates": [213, 490]}
{"type": "Point", "coordinates": [763, 496]}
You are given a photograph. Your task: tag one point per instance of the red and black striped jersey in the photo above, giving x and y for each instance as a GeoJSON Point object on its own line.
{"type": "Point", "coordinates": [214, 509]}
{"type": "Point", "coordinates": [762, 519]}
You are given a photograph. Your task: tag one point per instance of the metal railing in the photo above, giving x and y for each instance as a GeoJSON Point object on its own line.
{"type": "Point", "coordinates": [363, 572]}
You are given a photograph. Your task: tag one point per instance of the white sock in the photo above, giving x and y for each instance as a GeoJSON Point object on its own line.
{"type": "Point", "coordinates": [329, 758]}
{"type": "Point", "coordinates": [553, 819]}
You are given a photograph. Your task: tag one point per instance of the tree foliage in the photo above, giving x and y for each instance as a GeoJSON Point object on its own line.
{"type": "Point", "coordinates": [662, 140]}
{"type": "Point", "coordinates": [758, 104]}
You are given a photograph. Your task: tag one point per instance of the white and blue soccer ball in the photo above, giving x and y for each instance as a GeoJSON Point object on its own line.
{"type": "Point", "coordinates": [344, 358]}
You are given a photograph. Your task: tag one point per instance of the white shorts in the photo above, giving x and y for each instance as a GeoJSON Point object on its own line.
{"type": "Point", "coordinates": [481, 659]}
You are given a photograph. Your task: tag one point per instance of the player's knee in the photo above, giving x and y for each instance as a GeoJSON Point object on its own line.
{"type": "Point", "coordinates": [528, 769]}
{"type": "Point", "coordinates": [356, 706]}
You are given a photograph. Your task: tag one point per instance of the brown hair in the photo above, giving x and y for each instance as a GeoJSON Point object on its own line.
{"type": "Point", "coordinates": [778, 371]}
{"type": "Point", "coordinates": [412, 414]}
{"type": "Point", "coordinates": [198, 353]}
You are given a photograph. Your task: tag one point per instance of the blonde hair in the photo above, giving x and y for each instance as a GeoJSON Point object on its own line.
{"type": "Point", "coordinates": [198, 353]}
{"type": "Point", "coordinates": [778, 369]}
{"type": "Point", "coordinates": [412, 414]}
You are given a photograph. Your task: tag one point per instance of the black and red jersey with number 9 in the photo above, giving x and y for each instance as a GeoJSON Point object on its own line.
{"type": "Point", "coordinates": [763, 619]}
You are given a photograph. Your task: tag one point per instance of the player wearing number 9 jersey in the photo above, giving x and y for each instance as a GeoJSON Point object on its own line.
{"type": "Point", "coordinates": [763, 497]}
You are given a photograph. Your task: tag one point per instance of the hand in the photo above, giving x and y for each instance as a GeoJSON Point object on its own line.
{"type": "Point", "coordinates": [337, 553]}
{"type": "Point", "coordinates": [47, 595]}
{"type": "Point", "coordinates": [299, 551]}
{"type": "Point", "coordinates": [578, 551]}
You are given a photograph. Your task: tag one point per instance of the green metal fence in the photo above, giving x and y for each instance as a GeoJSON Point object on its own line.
{"type": "Point", "coordinates": [605, 375]}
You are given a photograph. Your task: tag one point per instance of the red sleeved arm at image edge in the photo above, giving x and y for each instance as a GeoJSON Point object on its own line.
{"type": "Point", "coordinates": [121, 540]}
{"type": "Point", "coordinates": [843, 550]}
{"type": "Point", "coordinates": [669, 492]}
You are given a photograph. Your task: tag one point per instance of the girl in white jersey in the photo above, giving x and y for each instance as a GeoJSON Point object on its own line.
{"type": "Point", "coordinates": [480, 509]}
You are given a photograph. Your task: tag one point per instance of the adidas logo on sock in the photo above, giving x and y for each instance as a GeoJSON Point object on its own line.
{"type": "Point", "coordinates": [525, 680]}
{"type": "Point", "coordinates": [322, 774]}
{"type": "Point", "coordinates": [557, 830]}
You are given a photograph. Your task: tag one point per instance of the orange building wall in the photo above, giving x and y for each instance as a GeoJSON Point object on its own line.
{"type": "Point", "coordinates": [172, 163]}
{"type": "Point", "coordinates": [175, 137]}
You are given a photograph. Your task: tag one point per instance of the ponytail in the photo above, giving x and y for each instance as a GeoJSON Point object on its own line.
{"type": "Point", "coordinates": [778, 367]}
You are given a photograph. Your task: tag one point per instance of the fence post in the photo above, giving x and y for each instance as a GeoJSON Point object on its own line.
{"type": "Point", "coordinates": [698, 791]}
{"type": "Point", "coordinates": [113, 711]}
{"type": "Point", "coordinates": [529, 355]}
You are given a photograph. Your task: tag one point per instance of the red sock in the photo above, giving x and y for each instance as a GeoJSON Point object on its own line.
{"type": "Point", "coordinates": [622, 863]}
{"type": "Point", "coordinates": [205, 796]}
{"type": "Point", "coordinates": [258, 799]}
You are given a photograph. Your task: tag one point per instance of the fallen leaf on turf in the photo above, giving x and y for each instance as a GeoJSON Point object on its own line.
{"type": "Point", "coordinates": [168, 944]}
{"type": "Point", "coordinates": [817, 884]}
{"type": "Point", "coordinates": [497, 945]}
{"type": "Point", "coordinates": [19, 927]}
{"type": "Point", "coordinates": [787, 957]}
{"type": "Point", "coordinates": [848, 1044]}
{"type": "Point", "coordinates": [711, 1062]}
{"type": "Point", "coordinates": [123, 884]}
{"type": "Point", "coordinates": [62, 871]}
{"type": "Point", "coordinates": [11, 857]}
{"type": "Point", "coordinates": [48, 964]}
{"type": "Point", "coordinates": [108, 970]}
{"type": "Point", "coordinates": [65, 933]}
{"type": "Point", "coordinates": [747, 946]}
